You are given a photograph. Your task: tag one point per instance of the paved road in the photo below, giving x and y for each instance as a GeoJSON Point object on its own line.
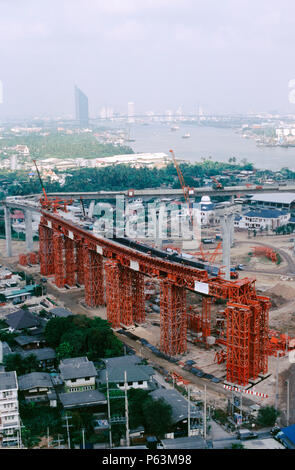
{"type": "Point", "coordinates": [290, 269]}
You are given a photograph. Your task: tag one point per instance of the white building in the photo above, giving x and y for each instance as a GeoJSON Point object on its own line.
{"type": "Point", "coordinates": [9, 413]}
{"type": "Point", "coordinates": [265, 219]}
{"type": "Point", "coordinates": [206, 210]}
{"type": "Point", "coordinates": [78, 374]}
{"type": "Point", "coordinates": [138, 375]}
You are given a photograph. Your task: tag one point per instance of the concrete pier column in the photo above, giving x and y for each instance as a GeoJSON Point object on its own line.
{"type": "Point", "coordinates": [29, 231]}
{"type": "Point", "coordinates": [225, 245]}
{"type": "Point", "coordinates": [232, 230]}
{"type": "Point", "coordinates": [91, 209]}
{"type": "Point", "coordinates": [8, 231]}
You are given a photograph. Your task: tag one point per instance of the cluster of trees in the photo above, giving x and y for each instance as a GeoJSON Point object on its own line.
{"type": "Point", "coordinates": [79, 335]}
{"type": "Point", "coordinates": [267, 416]}
{"type": "Point", "coordinates": [285, 229]}
{"type": "Point", "coordinates": [21, 365]}
{"type": "Point", "coordinates": [117, 177]}
{"type": "Point", "coordinates": [154, 415]}
{"type": "Point", "coordinates": [58, 145]}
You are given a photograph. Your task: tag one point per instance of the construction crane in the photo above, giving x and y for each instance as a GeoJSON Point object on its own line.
{"type": "Point", "coordinates": [83, 208]}
{"type": "Point", "coordinates": [217, 184]}
{"type": "Point", "coordinates": [49, 203]}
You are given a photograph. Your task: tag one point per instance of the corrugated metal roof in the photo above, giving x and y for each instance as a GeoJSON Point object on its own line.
{"type": "Point", "coordinates": [77, 367]}
{"type": "Point", "coordinates": [284, 198]}
{"type": "Point", "coordinates": [35, 379]}
{"type": "Point", "coordinates": [8, 380]}
{"type": "Point", "coordinates": [289, 432]}
{"type": "Point", "coordinates": [135, 371]}
{"type": "Point", "coordinates": [87, 397]}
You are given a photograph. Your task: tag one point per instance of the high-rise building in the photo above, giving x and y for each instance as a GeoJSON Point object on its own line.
{"type": "Point", "coordinates": [131, 112]}
{"type": "Point", "coordinates": [81, 102]}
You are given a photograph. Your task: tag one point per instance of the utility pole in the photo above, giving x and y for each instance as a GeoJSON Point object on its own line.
{"type": "Point", "coordinates": [277, 382]}
{"type": "Point", "coordinates": [83, 438]}
{"type": "Point", "coordinates": [59, 441]}
{"type": "Point", "coordinates": [188, 411]}
{"type": "Point", "coordinates": [126, 410]}
{"type": "Point", "coordinates": [205, 414]}
{"type": "Point", "coordinates": [109, 411]}
{"type": "Point", "coordinates": [67, 425]}
{"type": "Point", "coordinates": [288, 401]}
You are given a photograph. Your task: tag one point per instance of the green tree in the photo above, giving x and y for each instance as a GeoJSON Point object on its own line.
{"type": "Point", "coordinates": [237, 445]}
{"type": "Point", "coordinates": [15, 362]}
{"type": "Point", "coordinates": [64, 350]}
{"type": "Point", "coordinates": [31, 363]}
{"type": "Point", "coordinates": [157, 416]}
{"type": "Point", "coordinates": [28, 439]}
{"type": "Point", "coordinates": [267, 416]}
{"type": "Point", "coordinates": [54, 330]}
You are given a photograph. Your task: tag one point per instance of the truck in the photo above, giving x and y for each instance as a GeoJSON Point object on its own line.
{"type": "Point", "coordinates": [233, 273]}
{"type": "Point", "coordinates": [244, 434]}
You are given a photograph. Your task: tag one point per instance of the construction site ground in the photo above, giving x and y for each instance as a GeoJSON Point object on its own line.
{"type": "Point", "coordinates": [274, 281]}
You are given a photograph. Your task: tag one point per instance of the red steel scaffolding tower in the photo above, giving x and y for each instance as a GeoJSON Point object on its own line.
{"type": "Point", "coordinates": [173, 322]}
{"type": "Point", "coordinates": [93, 278]}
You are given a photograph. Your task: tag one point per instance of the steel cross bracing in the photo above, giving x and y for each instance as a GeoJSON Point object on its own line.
{"type": "Point", "coordinates": [79, 262]}
{"type": "Point", "coordinates": [46, 250]}
{"type": "Point", "coordinates": [173, 320]}
{"type": "Point", "coordinates": [70, 265]}
{"type": "Point", "coordinates": [125, 268]}
{"type": "Point", "coordinates": [93, 277]}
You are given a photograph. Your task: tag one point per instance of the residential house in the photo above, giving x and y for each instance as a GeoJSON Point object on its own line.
{"type": "Point", "coordinates": [22, 320]}
{"type": "Point", "coordinates": [262, 219]}
{"type": "Point", "coordinates": [36, 386]}
{"type": "Point", "coordinates": [79, 377]}
{"type": "Point", "coordinates": [180, 408]}
{"type": "Point", "coordinates": [83, 399]}
{"type": "Point", "coordinates": [61, 312]}
{"type": "Point", "coordinates": [138, 374]}
{"type": "Point", "coordinates": [78, 374]}
{"type": "Point", "coordinates": [27, 342]}
{"type": "Point", "coordinates": [45, 356]}
{"type": "Point", "coordinates": [9, 413]}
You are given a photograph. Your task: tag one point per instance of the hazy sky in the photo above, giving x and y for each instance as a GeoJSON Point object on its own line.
{"type": "Point", "coordinates": [229, 55]}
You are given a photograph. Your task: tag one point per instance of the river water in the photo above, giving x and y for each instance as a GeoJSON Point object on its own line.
{"type": "Point", "coordinates": [220, 144]}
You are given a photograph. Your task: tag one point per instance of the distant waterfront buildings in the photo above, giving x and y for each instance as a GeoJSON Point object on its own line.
{"type": "Point", "coordinates": [131, 112]}
{"type": "Point", "coordinates": [81, 103]}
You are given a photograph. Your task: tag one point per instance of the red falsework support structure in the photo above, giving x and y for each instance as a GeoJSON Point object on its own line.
{"type": "Point", "coordinates": [264, 333]}
{"type": "Point", "coordinates": [138, 297]}
{"type": "Point", "coordinates": [113, 300]}
{"type": "Point", "coordinates": [206, 317]}
{"type": "Point", "coordinates": [93, 278]}
{"type": "Point", "coordinates": [70, 262]}
{"type": "Point", "coordinates": [238, 343]}
{"type": "Point", "coordinates": [46, 250]}
{"type": "Point", "coordinates": [126, 297]}
{"type": "Point", "coordinates": [58, 246]}
{"type": "Point", "coordinates": [173, 321]}
{"type": "Point", "coordinates": [79, 262]}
